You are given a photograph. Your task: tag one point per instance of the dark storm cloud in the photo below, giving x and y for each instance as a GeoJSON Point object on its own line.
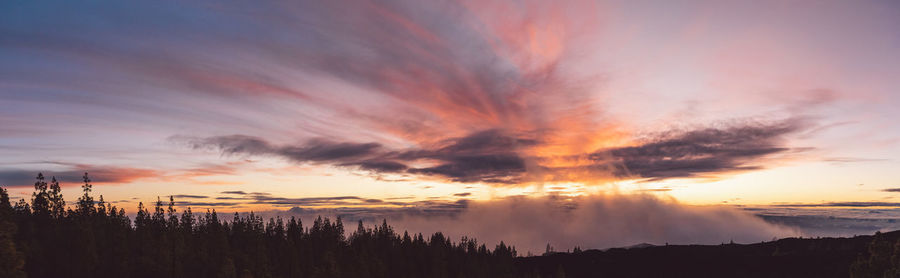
{"type": "Point", "coordinates": [500, 168]}
{"type": "Point", "coordinates": [487, 156]}
{"type": "Point", "coordinates": [318, 150]}
{"type": "Point", "coordinates": [384, 166]}
{"type": "Point", "coordinates": [315, 150]}
{"type": "Point", "coordinates": [698, 152]}
{"type": "Point", "coordinates": [493, 156]}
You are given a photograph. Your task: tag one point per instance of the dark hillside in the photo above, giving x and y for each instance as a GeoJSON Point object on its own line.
{"type": "Point", "coordinates": [791, 257]}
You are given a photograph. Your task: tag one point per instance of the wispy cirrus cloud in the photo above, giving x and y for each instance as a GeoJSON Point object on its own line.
{"type": "Point", "coordinates": [70, 174]}
{"type": "Point", "coordinates": [100, 175]}
{"type": "Point", "coordinates": [842, 204]}
{"type": "Point", "coordinates": [187, 196]}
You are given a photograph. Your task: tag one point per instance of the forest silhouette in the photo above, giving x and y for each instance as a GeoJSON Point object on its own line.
{"type": "Point", "coordinates": [93, 238]}
{"type": "Point", "coordinates": [44, 238]}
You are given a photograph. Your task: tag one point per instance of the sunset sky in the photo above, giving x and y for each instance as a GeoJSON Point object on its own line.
{"type": "Point", "coordinates": [273, 105]}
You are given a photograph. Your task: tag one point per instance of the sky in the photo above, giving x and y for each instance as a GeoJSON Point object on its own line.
{"type": "Point", "coordinates": [687, 113]}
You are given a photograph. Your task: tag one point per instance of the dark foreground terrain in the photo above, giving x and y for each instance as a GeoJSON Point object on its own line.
{"type": "Point", "coordinates": [862, 256]}
{"type": "Point", "coordinates": [48, 238]}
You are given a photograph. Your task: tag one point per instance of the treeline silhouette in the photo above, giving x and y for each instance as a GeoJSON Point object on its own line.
{"type": "Point", "coordinates": [44, 238]}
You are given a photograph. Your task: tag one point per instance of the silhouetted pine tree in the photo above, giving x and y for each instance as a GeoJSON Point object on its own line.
{"type": "Point", "coordinates": [40, 199]}
{"type": "Point", "coordinates": [86, 202]}
{"type": "Point", "coordinates": [55, 197]}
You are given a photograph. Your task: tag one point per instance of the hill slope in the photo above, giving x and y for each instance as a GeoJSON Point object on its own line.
{"type": "Point", "coordinates": [791, 257]}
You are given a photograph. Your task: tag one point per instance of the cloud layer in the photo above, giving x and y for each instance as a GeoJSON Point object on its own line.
{"type": "Point", "coordinates": [600, 221]}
